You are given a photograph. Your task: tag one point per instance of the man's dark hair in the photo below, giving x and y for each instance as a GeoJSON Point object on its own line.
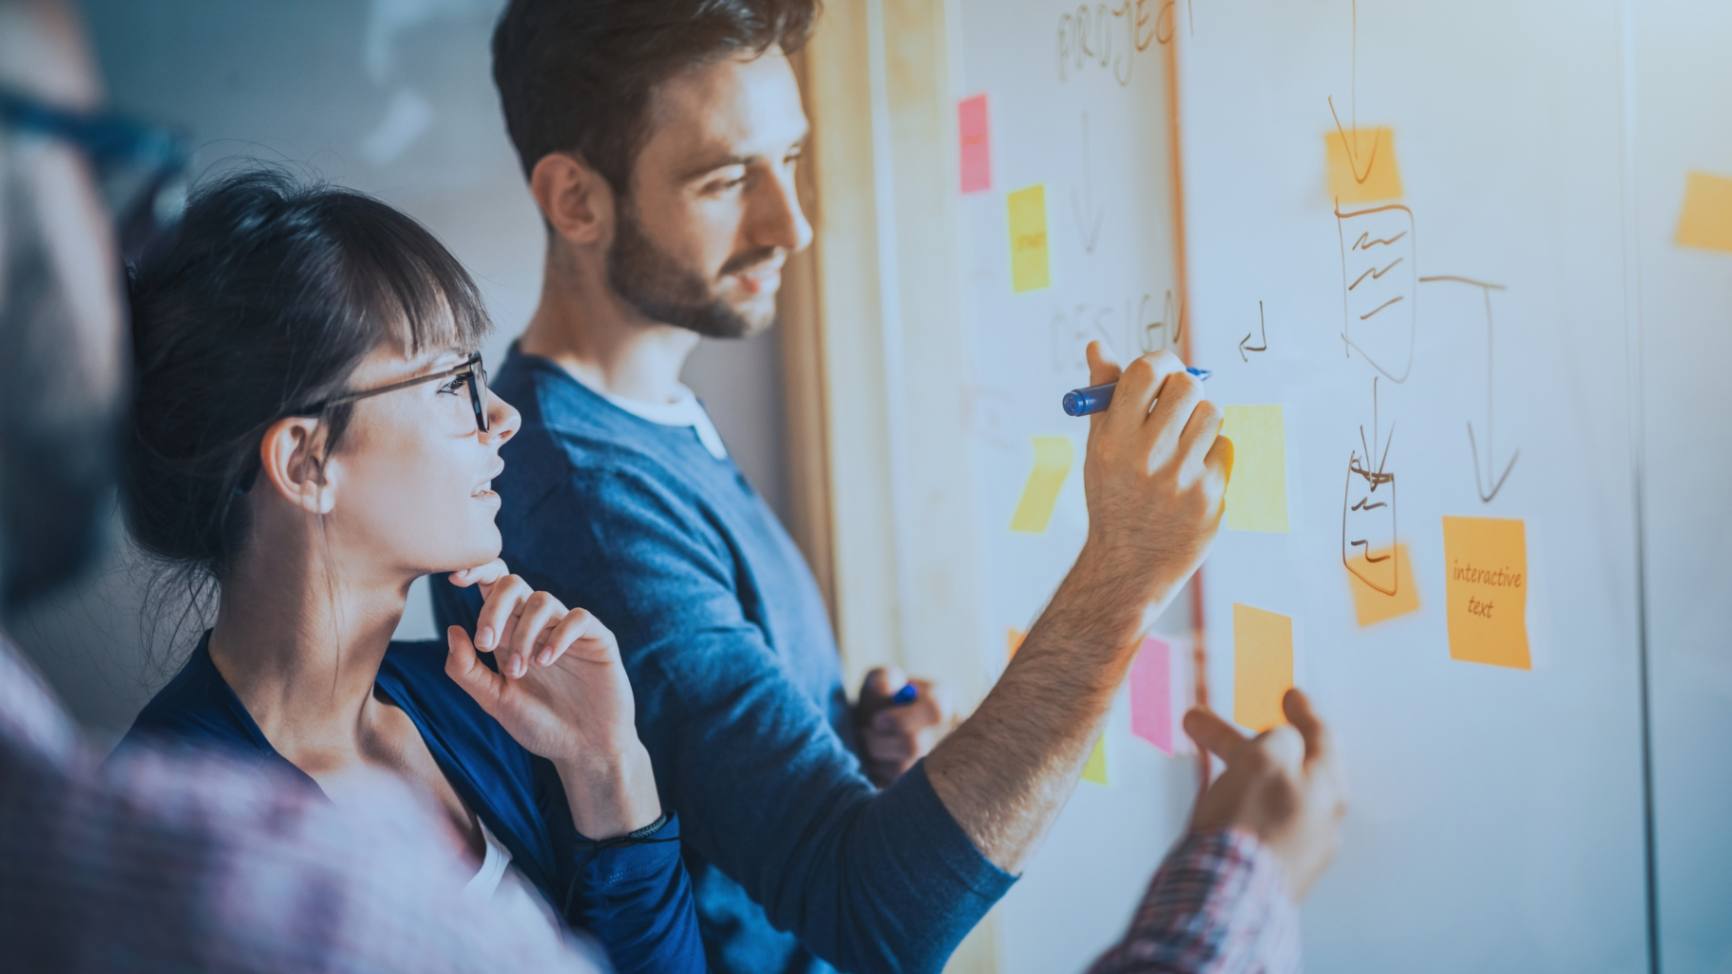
{"type": "Point", "coordinates": [577, 75]}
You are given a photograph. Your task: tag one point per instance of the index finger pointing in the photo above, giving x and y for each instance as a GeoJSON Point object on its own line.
{"type": "Point", "coordinates": [1297, 706]}
{"type": "Point", "coordinates": [1214, 734]}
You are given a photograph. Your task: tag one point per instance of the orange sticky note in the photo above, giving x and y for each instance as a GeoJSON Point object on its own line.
{"type": "Point", "coordinates": [1052, 460]}
{"type": "Point", "coordinates": [1013, 641]}
{"type": "Point", "coordinates": [1095, 769]}
{"type": "Point", "coordinates": [1371, 606]}
{"type": "Point", "coordinates": [1262, 666]}
{"type": "Point", "coordinates": [1486, 567]}
{"type": "Point", "coordinates": [1257, 489]}
{"type": "Point", "coordinates": [1706, 222]}
{"type": "Point", "coordinates": [1361, 165]}
{"type": "Point", "coordinates": [1030, 269]}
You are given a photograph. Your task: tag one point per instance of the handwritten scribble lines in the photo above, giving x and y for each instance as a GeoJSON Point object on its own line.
{"type": "Point", "coordinates": [1387, 304]}
{"type": "Point", "coordinates": [1376, 274]}
{"type": "Point", "coordinates": [1366, 241]}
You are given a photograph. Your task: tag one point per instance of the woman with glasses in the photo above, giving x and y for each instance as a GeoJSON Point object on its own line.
{"type": "Point", "coordinates": [311, 433]}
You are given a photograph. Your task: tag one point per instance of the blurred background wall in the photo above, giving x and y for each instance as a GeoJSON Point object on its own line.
{"type": "Point", "coordinates": [392, 97]}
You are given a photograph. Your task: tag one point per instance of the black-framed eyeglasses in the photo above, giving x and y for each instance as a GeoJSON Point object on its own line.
{"type": "Point", "coordinates": [471, 371]}
{"type": "Point", "coordinates": [140, 168]}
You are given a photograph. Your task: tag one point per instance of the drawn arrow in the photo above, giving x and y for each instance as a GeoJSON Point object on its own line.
{"type": "Point", "coordinates": [1262, 331]}
{"type": "Point", "coordinates": [1090, 235]}
{"type": "Point", "coordinates": [1351, 146]}
{"type": "Point", "coordinates": [1487, 489]}
{"type": "Point", "coordinates": [1486, 493]}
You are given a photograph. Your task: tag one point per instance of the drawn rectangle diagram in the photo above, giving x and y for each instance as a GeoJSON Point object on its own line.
{"type": "Point", "coordinates": [1379, 286]}
{"type": "Point", "coordinates": [1368, 524]}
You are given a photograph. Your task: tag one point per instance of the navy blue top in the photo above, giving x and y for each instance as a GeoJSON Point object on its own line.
{"type": "Point", "coordinates": [796, 857]}
{"type": "Point", "coordinates": [633, 898]}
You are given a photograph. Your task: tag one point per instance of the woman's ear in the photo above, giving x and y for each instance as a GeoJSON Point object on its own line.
{"type": "Point", "coordinates": [293, 462]}
{"type": "Point", "coordinates": [573, 198]}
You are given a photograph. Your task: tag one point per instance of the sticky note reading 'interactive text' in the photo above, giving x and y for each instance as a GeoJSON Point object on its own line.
{"type": "Point", "coordinates": [1152, 694]}
{"type": "Point", "coordinates": [976, 154]}
{"type": "Point", "coordinates": [1262, 666]}
{"type": "Point", "coordinates": [1361, 164]}
{"type": "Point", "coordinates": [1257, 490]}
{"type": "Point", "coordinates": [1373, 605]}
{"type": "Point", "coordinates": [1095, 769]}
{"type": "Point", "coordinates": [1052, 459]}
{"type": "Point", "coordinates": [1029, 267]}
{"type": "Point", "coordinates": [1012, 642]}
{"type": "Point", "coordinates": [1706, 222]}
{"type": "Point", "coordinates": [1486, 564]}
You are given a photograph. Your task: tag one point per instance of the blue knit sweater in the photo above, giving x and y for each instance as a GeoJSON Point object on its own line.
{"type": "Point", "coordinates": [797, 858]}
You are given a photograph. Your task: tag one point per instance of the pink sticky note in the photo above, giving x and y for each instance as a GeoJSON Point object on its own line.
{"type": "Point", "coordinates": [976, 154]}
{"type": "Point", "coordinates": [1152, 694]}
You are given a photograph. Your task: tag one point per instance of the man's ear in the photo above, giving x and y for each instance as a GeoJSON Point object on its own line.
{"type": "Point", "coordinates": [294, 464]}
{"type": "Point", "coordinates": [573, 198]}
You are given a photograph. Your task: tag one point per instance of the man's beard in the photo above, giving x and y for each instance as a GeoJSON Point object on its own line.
{"type": "Point", "coordinates": [657, 287]}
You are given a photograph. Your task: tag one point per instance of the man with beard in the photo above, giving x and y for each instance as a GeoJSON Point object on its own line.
{"type": "Point", "coordinates": [163, 862]}
{"type": "Point", "coordinates": [660, 142]}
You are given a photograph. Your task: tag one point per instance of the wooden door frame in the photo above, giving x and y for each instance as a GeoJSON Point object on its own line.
{"type": "Point", "coordinates": [874, 338]}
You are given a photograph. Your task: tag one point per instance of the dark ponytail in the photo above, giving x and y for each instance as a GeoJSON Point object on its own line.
{"type": "Point", "coordinates": [262, 302]}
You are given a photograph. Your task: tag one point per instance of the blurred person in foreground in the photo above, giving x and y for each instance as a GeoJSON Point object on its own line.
{"type": "Point", "coordinates": [164, 861]}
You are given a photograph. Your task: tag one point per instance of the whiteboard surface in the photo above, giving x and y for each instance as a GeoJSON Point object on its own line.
{"type": "Point", "coordinates": [1498, 818]}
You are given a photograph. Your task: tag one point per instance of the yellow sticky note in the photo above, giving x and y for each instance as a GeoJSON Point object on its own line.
{"type": "Point", "coordinates": [1013, 641]}
{"type": "Point", "coordinates": [1486, 565]}
{"type": "Point", "coordinates": [1262, 666]}
{"type": "Point", "coordinates": [1257, 489]}
{"type": "Point", "coordinates": [1361, 164]}
{"type": "Point", "coordinates": [1371, 606]}
{"type": "Point", "coordinates": [1052, 459]}
{"type": "Point", "coordinates": [1706, 222]}
{"type": "Point", "coordinates": [1029, 268]}
{"type": "Point", "coordinates": [1095, 769]}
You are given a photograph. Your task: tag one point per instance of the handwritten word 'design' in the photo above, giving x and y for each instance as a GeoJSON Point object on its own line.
{"type": "Point", "coordinates": [1110, 36]}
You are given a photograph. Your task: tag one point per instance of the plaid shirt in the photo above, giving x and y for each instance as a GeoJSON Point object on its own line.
{"type": "Point", "coordinates": [1219, 903]}
{"type": "Point", "coordinates": [180, 861]}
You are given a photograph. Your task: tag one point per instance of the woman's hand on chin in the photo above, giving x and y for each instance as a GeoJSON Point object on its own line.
{"type": "Point", "coordinates": [561, 692]}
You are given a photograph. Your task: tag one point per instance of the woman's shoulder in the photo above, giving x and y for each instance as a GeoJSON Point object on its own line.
{"type": "Point", "coordinates": [196, 706]}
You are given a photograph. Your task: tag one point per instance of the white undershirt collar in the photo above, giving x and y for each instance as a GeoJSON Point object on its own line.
{"type": "Point", "coordinates": [684, 411]}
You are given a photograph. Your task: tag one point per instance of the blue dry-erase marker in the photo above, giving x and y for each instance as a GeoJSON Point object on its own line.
{"type": "Point", "coordinates": [907, 695]}
{"type": "Point", "coordinates": [1094, 399]}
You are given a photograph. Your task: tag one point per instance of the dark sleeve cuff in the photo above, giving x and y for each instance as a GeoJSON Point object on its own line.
{"type": "Point", "coordinates": [942, 837]}
{"type": "Point", "coordinates": [632, 894]}
{"type": "Point", "coordinates": [645, 852]}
